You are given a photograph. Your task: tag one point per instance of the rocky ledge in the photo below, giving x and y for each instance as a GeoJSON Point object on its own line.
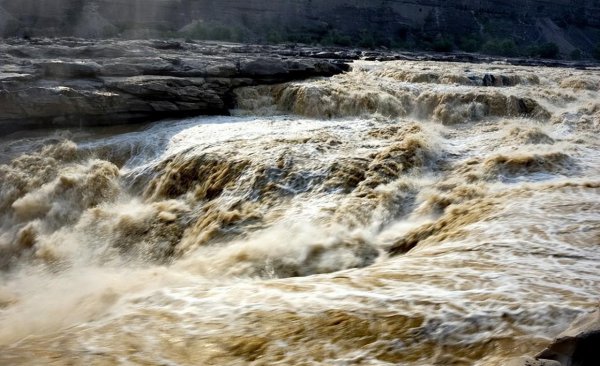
{"type": "Point", "coordinates": [72, 82]}
{"type": "Point", "coordinates": [577, 346]}
{"type": "Point", "coordinates": [77, 82]}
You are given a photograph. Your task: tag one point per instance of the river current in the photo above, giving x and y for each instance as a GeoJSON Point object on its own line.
{"type": "Point", "coordinates": [413, 213]}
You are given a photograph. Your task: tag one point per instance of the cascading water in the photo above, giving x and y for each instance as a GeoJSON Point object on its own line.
{"type": "Point", "coordinates": [402, 213]}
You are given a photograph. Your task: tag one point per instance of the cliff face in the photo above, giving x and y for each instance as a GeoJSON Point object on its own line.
{"type": "Point", "coordinates": [568, 23]}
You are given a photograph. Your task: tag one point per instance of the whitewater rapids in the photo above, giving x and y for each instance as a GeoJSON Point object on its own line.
{"type": "Point", "coordinates": [413, 213]}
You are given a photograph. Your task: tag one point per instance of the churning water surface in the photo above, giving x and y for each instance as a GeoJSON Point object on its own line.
{"type": "Point", "coordinates": [401, 213]}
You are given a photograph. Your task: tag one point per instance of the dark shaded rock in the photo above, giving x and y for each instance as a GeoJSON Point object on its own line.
{"type": "Point", "coordinates": [56, 83]}
{"type": "Point", "coordinates": [528, 361]}
{"type": "Point", "coordinates": [262, 67]}
{"type": "Point", "coordinates": [497, 80]}
{"type": "Point", "coordinates": [570, 24]}
{"type": "Point", "coordinates": [326, 54]}
{"type": "Point", "coordinates": [69, 81]}
{"type": "Point", "coordinates": [69, 70]}
{"type": "Point", "coordinates": [577, 346]}
{"type": "Point", "coordinates": [489, 80]}
{"type": "Point", "coordinates": [128, 66]}
{"type": "Point", "coordinates": [15, 77]}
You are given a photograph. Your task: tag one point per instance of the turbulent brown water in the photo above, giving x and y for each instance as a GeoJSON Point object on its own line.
{"type": "Point", "coordinates": [402, 213]}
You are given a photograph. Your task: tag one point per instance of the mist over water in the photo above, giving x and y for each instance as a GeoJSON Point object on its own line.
{"type": "Point", "coordinates": [402, 213]}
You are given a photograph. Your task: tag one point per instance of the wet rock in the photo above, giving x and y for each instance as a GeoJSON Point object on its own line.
{"type": "Point", "coordinates": [62, 69]}
{"type": "Point", "coordinates": [55, 82]}
{"type": "Point", "coordinates": [70, 81]}
{"type": "Point", "coordinates": [528, 361]}
{"type": "Point", "coordinates": [499, 80]}
{"type": "Point", "coordinates": [261, 67]}
{"type": "Point", "coordinates": [577, 346]}
{"type": "Point", "coordinates": [489, 80]}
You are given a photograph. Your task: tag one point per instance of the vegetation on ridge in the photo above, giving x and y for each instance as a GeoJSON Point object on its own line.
{"type": "Point", "coordinates": [403, 40]}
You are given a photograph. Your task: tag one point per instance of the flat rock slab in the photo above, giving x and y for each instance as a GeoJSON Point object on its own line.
{"type": "Point", "coordinates": [64, 82]}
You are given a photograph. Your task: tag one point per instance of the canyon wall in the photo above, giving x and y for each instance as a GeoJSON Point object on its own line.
{"type": "Point", "coordinates": [571, 24]}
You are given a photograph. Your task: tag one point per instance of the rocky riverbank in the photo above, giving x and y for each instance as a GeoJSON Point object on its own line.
{"type": "Point", "coordinates": [402, 212]}
{"type": "Point", "coordinates": [571, 26]}
{"type": "Point", "coordinates": [63, 82]}
{"type": "Point", "coordinates": [73, 82]}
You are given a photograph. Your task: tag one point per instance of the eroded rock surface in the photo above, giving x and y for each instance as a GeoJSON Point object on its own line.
{"type": "Point", "coordinates": [569, 24]}
{"type": "Point", "coordinates": [578, 345]}
{"type": "Point", "coordinates": [74, 82]}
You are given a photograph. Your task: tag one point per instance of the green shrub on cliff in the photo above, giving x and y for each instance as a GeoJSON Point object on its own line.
{"type": "Point", "coordinates": [275, 37]}
{"type": "Point", "coordinates": [470, 43]}
{"type": "Point", "coordinates": [299, 37]}
{"type": "Point", "coordinates": [544, 50]}
{"type": "Point", "coordinates": [500, 47]}
{"type": "Point", "coordinates": [596, 52]}
{"type": "Point", "coordinates": [442, 45]}
{"type": "Point", "coordinates": [335, 38]}
{"type": "Point", "coordinates": [366, 39]}
{"type": "Point", "coordinates": [215, 33]}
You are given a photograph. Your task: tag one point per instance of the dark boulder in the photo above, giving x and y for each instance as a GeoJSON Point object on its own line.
{"type": "Point", "coordinates": [577, 346]}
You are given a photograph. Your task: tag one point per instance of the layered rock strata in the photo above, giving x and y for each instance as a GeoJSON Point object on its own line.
{"type": "Point", "coordinates": [571, 24]}
{"type": "Point", "coordinates": [64, 82]}
{"type": "Point", "coordinates": [76, 82]}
